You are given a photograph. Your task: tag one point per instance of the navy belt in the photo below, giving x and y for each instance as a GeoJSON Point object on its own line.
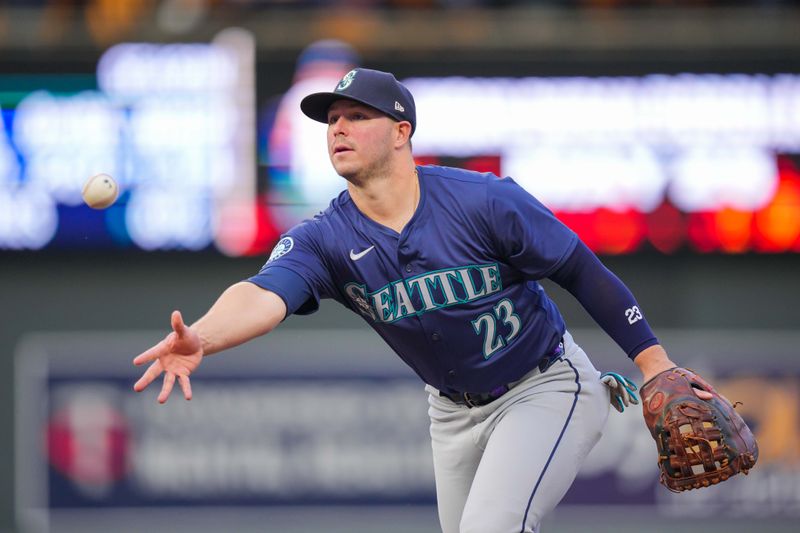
{"type": "Point", "coordinates": [477, 399]}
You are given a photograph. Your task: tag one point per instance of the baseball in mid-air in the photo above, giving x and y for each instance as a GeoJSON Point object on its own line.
{"type": "Point", "coordinates": [100, 191]}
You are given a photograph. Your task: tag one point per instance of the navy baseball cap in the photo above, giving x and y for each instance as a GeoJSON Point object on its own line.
{"type": "Point", "coordinates": [379, 90]}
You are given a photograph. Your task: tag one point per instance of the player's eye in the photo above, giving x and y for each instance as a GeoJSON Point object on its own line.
{"type": "Point", "coordinates": [332, 119]}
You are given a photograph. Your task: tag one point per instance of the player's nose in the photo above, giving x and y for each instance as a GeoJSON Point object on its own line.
{"type": "Point", "coordinates": [338, 126]}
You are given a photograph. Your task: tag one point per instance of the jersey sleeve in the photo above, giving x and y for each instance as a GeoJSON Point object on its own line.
{"type": "Point", "coordinates": [526, 233]}
{"type": "Point", "coordinates": [296, 271]}
{"type": "Point", "coordinates": [607, 299]}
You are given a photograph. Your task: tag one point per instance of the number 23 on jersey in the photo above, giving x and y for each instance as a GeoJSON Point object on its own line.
{"type": "Point", "coordinates": [487, 324]}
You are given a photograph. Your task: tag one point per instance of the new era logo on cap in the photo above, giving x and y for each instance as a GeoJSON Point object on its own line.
{"type": "Point", "coordinates": [374, 88]}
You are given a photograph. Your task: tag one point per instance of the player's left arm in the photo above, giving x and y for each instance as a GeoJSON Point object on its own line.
{"type": "Point", "coordinates": [612, 305]}
{"type": "Point", "coordinates": [532, 239]}
{"type": "Point", "coordinates": [653, 360]}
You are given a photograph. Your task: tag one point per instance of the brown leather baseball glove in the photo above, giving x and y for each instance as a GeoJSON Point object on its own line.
{"type": "Point", "coordinates": [700, 442]}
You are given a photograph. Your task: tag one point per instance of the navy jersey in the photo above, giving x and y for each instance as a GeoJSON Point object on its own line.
{"type": "Point", "coordinates": [455, 294]}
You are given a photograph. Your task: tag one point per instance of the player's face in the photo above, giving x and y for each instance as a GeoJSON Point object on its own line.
{"type": "Point", "coordinates": [359, 140]}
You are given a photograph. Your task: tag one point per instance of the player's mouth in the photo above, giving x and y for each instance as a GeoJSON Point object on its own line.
{"type": "Point", "coordinates": [341, 148]}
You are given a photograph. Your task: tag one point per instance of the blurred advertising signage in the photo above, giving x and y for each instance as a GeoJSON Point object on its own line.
{"type": "Point", "coordinates": [316, 423]}
{"type": "Point", "coordinates": [240, 441]}
{"type": "Point", "coordinates": [661, 161]}
{"type": "Point", "coordinates": [325, 427]}
{"type": "Point", "coordinates": [173, 123]}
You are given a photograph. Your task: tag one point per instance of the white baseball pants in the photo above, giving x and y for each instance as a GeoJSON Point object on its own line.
{"type": "Point", "coordinates": [501, 467]}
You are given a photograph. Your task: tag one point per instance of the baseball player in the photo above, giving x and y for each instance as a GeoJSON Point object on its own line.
{"type": "Point", "coordinates": [443, 263]}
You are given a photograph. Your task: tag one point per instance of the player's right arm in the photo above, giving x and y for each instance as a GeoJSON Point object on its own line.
{"type": "Point", "coordinates": [244, 311]}
{"type": "Point", "coordinates": [291, 282]}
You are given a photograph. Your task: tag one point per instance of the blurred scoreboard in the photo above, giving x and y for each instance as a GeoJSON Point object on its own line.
{"type": "Point", "coordinates": [704, 162]}
{"type": "Point", "coordinates": [700, 162]}
{"type": "Point", "coordinates": [174, 124]}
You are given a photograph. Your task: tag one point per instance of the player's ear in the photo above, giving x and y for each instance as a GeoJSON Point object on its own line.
{"type": "Point", "coordinates": [403, 133]}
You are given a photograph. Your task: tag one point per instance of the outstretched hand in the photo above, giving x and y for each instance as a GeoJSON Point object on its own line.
{"type": "Point", "coordinates": [177, 356]}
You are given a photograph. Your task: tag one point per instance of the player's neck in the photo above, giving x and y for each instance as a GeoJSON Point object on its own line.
{"type": "Point", "coordinates": [390, 200]}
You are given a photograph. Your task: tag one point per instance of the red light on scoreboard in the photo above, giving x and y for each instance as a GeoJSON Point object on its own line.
{"type": "Point", "coordinates": [666, 228]}
{"type": "Point", "coordinates": [701, 232]}
{"type": "Point", "coordinates": [733, 229]}
{"type": "Point", "coordinates": [777, 226]}
{"type": "Point", "coordinates": [620, 232]}
{"type": "Point", "coordinates": [482, 163]}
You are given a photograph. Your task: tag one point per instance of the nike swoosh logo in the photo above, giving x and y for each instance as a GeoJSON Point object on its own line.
{"type": "Point", "coordinates": [356, 256]}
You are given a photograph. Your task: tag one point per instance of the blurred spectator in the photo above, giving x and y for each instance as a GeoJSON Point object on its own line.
{"type": "Point", "coordinates": [297, 159]}
{"type": "Point", "coordinates": [110, 21]}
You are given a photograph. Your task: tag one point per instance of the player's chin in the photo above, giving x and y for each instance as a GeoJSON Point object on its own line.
{"type": "Point", "coordinates": [345, 169]}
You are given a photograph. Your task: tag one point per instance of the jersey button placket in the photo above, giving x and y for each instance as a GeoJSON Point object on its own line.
{"type": "Point", "coordinates": [409, 269]}
{"type": "Point", "coordinates": [435, 337]}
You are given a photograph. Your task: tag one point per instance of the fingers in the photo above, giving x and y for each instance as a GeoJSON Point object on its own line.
{"type": "Point", "coordinates": [622, 380]}
{"type": "Point", "coordinates": [152, 354]}
{"type": "Point", "coordinates": [155, 354]}
{"type": "Point", "coordinates": [609, 381]}
{"type": "Point", "coordinates": [166, 388]}
{"type": "Point", "coordinates": [177, 323]}
{"type": "Point", "coordinates": [163, 347]}
{"type": "Point", "coordinates": [186, 386]}
{"type": "Point", "coordinates": [702, 394]}
{"type": "Point", "coordinates": [630, 385]}
{"type": "Point", "coordinates": [617, 404]}
{"type": "Point", "coordinates": [630, 389]}
{"type": "Point", "coordinates": [623, 399]}
{"type": "Point", "coordinates": [149, 375]}
{"type": "Point", "coordinates": [617, 399]}
{"type": "Point", "coordinates": [169, 382]}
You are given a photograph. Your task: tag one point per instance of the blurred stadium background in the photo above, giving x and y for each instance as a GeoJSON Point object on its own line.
{"type": "Point", "coordinates": [666, 132]}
